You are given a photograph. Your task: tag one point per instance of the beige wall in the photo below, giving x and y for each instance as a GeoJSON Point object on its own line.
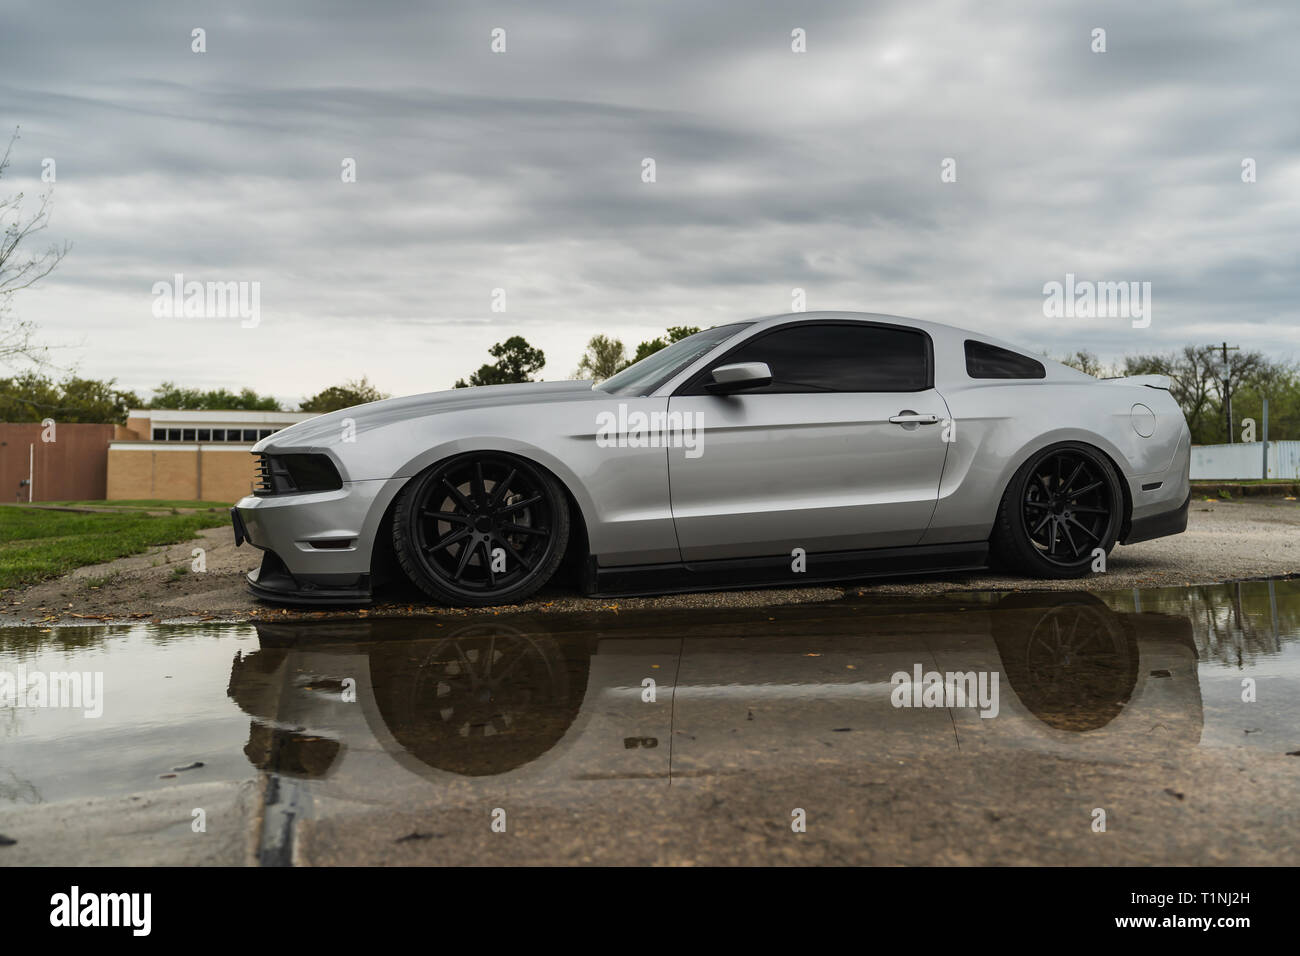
{"type": "Point", "coordinates": [139, 429]}
{"type": "Point", "coordinates": [225, 476]}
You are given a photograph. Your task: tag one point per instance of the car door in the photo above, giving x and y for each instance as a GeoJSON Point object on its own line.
{"type": "Point", "coordinates": [842, 451]}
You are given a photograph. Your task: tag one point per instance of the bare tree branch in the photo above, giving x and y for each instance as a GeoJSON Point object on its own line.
{"type": "Point", "coordinates": [20, 269]}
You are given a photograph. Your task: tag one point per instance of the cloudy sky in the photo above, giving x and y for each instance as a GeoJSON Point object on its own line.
{"type": "Point", "coordinates": [522, 170]}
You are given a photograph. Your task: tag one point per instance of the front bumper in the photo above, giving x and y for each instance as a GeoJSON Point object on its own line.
{"type": "Point", "coordinates": [318, 547]}
{"type": "Point", "coordinates": [273, 582]}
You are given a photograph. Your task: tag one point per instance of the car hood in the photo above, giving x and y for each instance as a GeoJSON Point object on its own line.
{"type": "Point", "coordinates": [328, 429]}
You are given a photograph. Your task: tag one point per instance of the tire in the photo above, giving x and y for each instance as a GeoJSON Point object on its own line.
{"type": "Point", "coordinates": [480, 529]}
{"type": "Point", "coordinates": [1062, 504]}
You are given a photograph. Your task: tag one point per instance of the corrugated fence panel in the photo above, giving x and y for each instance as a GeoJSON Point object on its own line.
{"type": "Point", "coordinates": [1284, 459]}
{"type": "Point", "coordinates": [1245, 461]}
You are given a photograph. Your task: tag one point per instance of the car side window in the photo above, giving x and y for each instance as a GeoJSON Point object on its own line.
{"type": "Point", "coordinates": [989, 361]}
{"type": "Point", "coordinates": [846, 357]}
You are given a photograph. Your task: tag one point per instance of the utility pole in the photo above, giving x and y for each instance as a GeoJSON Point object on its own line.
{"type": "Point", "coordinates": [1264, 473]}
{"type": "Point", "coordinates": [1227, 395]}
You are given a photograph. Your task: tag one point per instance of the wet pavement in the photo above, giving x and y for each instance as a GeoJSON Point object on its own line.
{"type": "Point", "coordinates": [1131, 726]}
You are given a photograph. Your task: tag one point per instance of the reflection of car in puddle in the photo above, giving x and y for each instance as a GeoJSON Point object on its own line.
{"type": "Point", "coordinates": [1073, 664]}
{"type": "Point", "coordinates": [482, 700]}
{"type": "Point", "coordinates": [257, 684]}
{"type": "Point", "coordinates": [527, 701]}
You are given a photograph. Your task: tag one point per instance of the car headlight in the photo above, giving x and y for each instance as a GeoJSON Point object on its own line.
{"type": "Point", "coordinates": [295, 474]}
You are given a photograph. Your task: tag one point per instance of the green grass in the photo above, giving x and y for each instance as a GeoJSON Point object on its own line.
{"type": "Point", "coordinates": [35, 544]}
{"type": "Point", "coordinates": [141, 503]}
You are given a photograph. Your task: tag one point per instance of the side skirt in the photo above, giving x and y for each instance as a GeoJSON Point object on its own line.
{"type": "Point", "coordinates": [825, 567]}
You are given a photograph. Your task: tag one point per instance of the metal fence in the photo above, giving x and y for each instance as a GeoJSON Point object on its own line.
{"type": "Point", "coordinates": [1246, 460]}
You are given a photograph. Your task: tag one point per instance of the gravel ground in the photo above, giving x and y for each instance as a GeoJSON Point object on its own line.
{"type": "Point", "coordinates": [1225, 540]}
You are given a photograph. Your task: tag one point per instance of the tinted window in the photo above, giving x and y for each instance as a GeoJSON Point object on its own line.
{"type": "Point", "coordinates": [658, 367]}
{"type": "Point", "coordinates": [839, 358]}
{"type": "Point", "coordinates": [989, 361]}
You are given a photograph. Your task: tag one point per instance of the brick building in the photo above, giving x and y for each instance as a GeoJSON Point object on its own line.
{"type": "Point", "coordinates": [72, 467]}
{"type": "Point", "coordinates": [183, 455]}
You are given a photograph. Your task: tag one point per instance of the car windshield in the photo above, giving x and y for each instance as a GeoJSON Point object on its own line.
{"type": "Point", "coordinates": [657, 368]}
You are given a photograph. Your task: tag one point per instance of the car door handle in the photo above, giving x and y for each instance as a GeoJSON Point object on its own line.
{"type": "Point", "coordinates": [912, 418]}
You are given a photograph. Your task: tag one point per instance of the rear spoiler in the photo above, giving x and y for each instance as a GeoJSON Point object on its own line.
{"type": "Point", "coordinates": [1151, 381]}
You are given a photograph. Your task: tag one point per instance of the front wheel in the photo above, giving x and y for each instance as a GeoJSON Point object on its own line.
{"type": "Point", "coordinates": [481, 528]}
{"type": "Point", "coordinates": [1062, 505]}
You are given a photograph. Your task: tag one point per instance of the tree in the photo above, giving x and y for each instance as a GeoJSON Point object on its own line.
{"type": "Point", "coordinates": [675, 333]}
{"type": "Point", "coordinates": [1191, 375]}
{"type": "Point", "coordinates": [170, 395]}
{"type": "Point", "coordinates": [34, 396]}
{"type": "Point", "coordinates": [1279, 382]}
{"type": "Point", "coordinates": [516, 361]}
{"type": "Point", "coordinates": [20, 269]}
{"type": "Point", "coordinates": [350, 393]}
{"type": "Point", "coordinates": [92, 400]}
{"type": "Point", "coordinates": [604, 357]}
{"type": "Point", "coordinates": [1202, 386]}
{"type": "Point", "coordinates": [1086, 362]}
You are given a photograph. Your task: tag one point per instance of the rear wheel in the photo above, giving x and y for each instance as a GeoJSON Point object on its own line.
{"type": "Point", "coordinates": [1060, 507]}
{"type": "Point", "coordinates": [481, 528]}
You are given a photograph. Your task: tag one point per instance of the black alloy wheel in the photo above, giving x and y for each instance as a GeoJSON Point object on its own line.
{"type": "Point", "coordinates": [481, 528]}
{"type": "Point", "coordinates": [1066, 507]}
{"type": "Point", "coordinates": [1061, 506]}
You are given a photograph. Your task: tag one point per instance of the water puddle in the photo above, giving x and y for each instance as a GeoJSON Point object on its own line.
{"type": "Point", "coordinates": [1085, 673]}
{"type": "Point", "coordinates": [564, 708]}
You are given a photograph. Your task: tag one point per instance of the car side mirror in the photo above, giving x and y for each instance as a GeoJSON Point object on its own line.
{"type": "Point", "coordinates": [739, 377]}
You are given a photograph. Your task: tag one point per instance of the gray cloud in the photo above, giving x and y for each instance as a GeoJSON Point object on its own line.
{"type": "Point", "coordinates": [522, 171]}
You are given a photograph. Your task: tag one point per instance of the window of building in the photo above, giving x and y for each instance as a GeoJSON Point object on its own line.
{"type": "Point", "coordinates": [212, 434]}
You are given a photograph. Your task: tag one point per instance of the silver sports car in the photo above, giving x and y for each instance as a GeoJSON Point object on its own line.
{"type": "Point", "coordinates": [817, 446]}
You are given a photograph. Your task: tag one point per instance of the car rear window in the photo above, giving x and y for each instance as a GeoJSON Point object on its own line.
{"type": "Point", "coordinates": [989, 361]}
